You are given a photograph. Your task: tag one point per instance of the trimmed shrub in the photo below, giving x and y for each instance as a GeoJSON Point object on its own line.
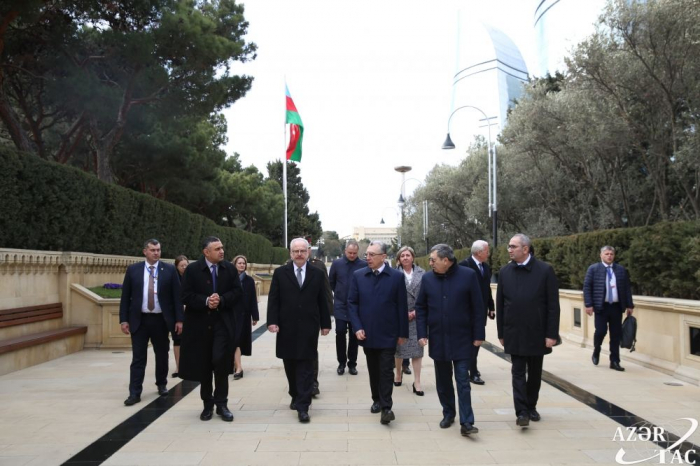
{"type": "Point", "coordinates": [663, 259]}
{"type": "Point", "coordinates": [48, 206]}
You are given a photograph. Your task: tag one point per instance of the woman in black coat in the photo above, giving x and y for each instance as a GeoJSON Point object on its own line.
{"type": "Point", "coordinates": [247, 315]}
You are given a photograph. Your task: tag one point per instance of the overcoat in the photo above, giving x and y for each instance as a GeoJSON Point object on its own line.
{"type": "Point", "coordinates": [197, 286]}
{"type": "Point", "coordinates": [594, 286]}
{"type": "Point", "coordinates": [246, 313]}
{"type": "Point", "coordinates": [378, 305]}
{"type": "Point", "coordinates": [300, 313]}
{"type": "Point", "coordinates": [168, 288]}
{"type": "Point", "coordinates": [450, 313]}
{"type": "Point", "coordinates": [484, 282]}
{"type": "Point", "coordinates": [527, 307]}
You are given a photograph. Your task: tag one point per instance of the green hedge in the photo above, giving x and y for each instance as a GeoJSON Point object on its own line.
{"type": "Point", "coordinates": [663, 259]}
{"type": "Point", "coordinates": [48, 206]}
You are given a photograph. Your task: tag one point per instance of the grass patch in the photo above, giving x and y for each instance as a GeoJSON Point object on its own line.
{"type": "Point", "coordinates": [103, 292]}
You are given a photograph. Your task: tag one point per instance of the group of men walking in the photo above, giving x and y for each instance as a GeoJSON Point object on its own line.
{"type": "Point", "coordinates": [370, 308]}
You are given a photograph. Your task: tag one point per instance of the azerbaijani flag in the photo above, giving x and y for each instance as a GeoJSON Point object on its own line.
{"type": "Point", "coordinates": [296, 129]}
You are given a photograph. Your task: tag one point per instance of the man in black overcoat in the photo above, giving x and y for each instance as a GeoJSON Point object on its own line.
{"type": "Point", "coordinates": [527, 317]}
{"type": "Point", "coordinates": [478, 263]}
{"type": "Point", "coordinates": [150, 307]}
{"type": "Point", "coordinates": [211, 290]}
{"type": "Point", "coordinates": [297, 308]}
{"type": "Point", "coordinates": [607, 292]}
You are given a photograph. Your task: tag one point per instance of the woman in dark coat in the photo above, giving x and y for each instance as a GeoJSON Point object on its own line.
{"type": "Point", "coordinates": [181, 263]}
{"type": "Point", "coordinates": [247, 315]}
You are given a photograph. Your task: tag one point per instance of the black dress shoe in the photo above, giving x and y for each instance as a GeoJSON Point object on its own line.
{"type": "Point", "coordinates": [352, 370]}
{"type": "Point", "coordinates": [304, 416]}
{"type": "Point", "coordinates": [341, 369]}
{"type": "Point", "coordinates": [616, 366]}
{"type": "Point", "coordinates": [207, 414]}
{"type": "Point", "coordinates": [595, 358]}
{"type": "Point", "coordinates": [387, 416]}
{"type": "Point", "coordinates": [375, 408]}
{"type": "Point", "coordinates": [407, 370]}
{"type": "Point", "coordinates": [237, 375]}
{"type": "Point", "coordinates": [162, 390]}
{"type": "Point", "coordinates": [477, 380]}
{"type": "Point", "coordinates": [175, 375]}
{"type": "Point", "coordinates": [315, 391]}
{"type": "Point", "coordinates": [468, 429]}
{"type": "Point", "coordinates": [398, 384]}
{"type": "Point", "coordinates": [534, 415]}
{"type": "Point", "coordinates": [418, 392]}
{"type": "Point", "coordinates": [447, 422]}
{"type": "Point", "coordinates": [293, 406]}
{"type": "Point", "coordinates": [225, 414]}
{"type": "Point", "coordinates": [523, 420]}
{"type": "Point", "coordinates": [132, 400]}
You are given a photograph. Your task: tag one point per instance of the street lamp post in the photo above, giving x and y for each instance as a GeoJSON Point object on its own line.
{"type": "Point", "coordinates": [491, 157]}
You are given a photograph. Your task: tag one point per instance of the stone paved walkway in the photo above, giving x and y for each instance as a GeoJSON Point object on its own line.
{"type": "Point", "coordinates": [50, 412]}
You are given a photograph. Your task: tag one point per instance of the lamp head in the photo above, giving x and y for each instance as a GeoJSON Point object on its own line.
{"type": "Point", "coordinates": [402, 201]}
{"type": "Point", "coordinates": [382, 222]}
{"type": "Point", "coordinates": [448, 144]}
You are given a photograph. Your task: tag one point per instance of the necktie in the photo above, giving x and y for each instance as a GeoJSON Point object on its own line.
{"type": "Point", "coordinates": [151, 289]}
{"type": "Point", "coordinates": [610, 290]}
{"type": "Point", "coordinates": [299, 278]}
{"type": "Point", "coordinates": [376, 273]}
{"type": "Point", "coordinates": [213, 277]}
{"type": "Point", "coordinates": [481, 268]}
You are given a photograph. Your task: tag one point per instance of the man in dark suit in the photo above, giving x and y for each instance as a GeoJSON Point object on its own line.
{"type": "Point", "coordinates": [607, 291]}
{"type": "Point", "coordinates": [150, 308]}
{"type": "Point", "coordinates": [211, 290]}
{"type": "Point", "coordinates": [339, 277]}
{"type": "Point", "coordinates": [477, 262]}
{"type": "Point", "coordinates": [527, 317]}
{"type": "Point", "coordinates": [297, 308]}
{"type": "Point", "coordinates": [450, 311]}
{"type": "Point", "coordinates": [378, 308]}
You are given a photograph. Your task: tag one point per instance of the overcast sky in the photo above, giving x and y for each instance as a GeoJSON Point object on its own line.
{"type": "Point", "coordinates": [372, 83]}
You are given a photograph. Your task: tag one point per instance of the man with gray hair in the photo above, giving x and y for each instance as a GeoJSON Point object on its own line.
{"type": "Point", "coordinates": [297, 310]}
{"type": "Point", "coordinates": [478, 263]}
{"type": "Point", "coordinates": [450, 313]}
{"type": "Point", "coordinates": [378, 308]}
{"type": "Point", "coordinates": [607, 292]}
{"type": "Point", "coordinates": [527, 317]}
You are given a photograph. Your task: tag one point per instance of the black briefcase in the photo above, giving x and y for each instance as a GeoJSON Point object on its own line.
{"type": "Point", "coordinates": [629, 333]}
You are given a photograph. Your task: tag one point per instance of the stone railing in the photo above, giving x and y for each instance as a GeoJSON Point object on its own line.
{"type": "Point", "coordinates": [29, 278]}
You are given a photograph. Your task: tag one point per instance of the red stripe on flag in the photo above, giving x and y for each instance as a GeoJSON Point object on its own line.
{"type": "Point", "coordinates": [290, 105]}
{"type": "Point", "coordinates": [293, 136]}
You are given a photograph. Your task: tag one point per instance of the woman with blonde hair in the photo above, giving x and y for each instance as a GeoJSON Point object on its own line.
{"type": "Point", "coordinates": [411, 349]}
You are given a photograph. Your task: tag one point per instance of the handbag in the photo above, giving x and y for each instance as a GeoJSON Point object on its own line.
{"type": "Point", "coordinates": [629, 333]}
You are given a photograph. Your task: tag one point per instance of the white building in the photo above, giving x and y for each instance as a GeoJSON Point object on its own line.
{"type": "Point", "coordinates": [383, 234]}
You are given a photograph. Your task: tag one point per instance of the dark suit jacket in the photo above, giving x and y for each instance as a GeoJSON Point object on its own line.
{"type": "Point", "coordinates": [168, 295]}
{"type": "Point", "coordinates": [484, 282]}
{"type": "Point", "coordinates": [298, 312]}
{"type": "Point", "coordinates": [340, 277]}
{"type": "Point", "coordinates": [450, 313]}
{"type": "Point", "coordinates": [197, 286]}
{"type": "Point", "coordinates": [594, 286]}
{"type": "Point", "coordinates": [527, 307]}
{"type": "Point", "coordinates": [379, 306]}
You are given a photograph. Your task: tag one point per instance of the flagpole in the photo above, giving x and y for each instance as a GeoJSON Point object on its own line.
{"type": "Point", "coordinates": [284, 162]}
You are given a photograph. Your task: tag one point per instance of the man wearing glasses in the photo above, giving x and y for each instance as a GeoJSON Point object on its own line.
{"type": "Point", "coordinates": [297, 309]}
{"type": "Point", "coordinates": [378, 309]}
{"type": "Point", "coordinates": [527, 317]}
